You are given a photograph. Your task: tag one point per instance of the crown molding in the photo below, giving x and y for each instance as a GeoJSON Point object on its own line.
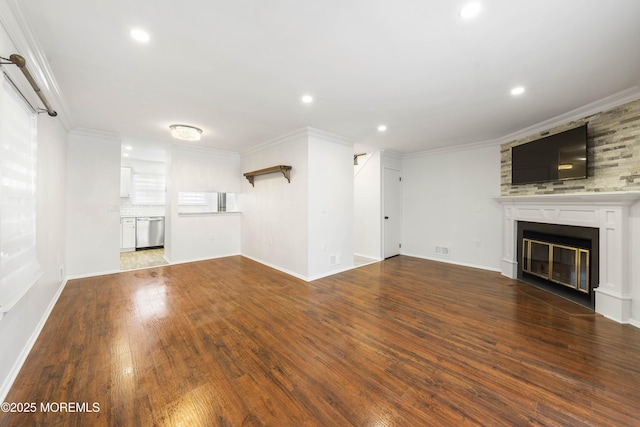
{"type": "Point", "coordinates": [283, 139]}
{"type": "Point", "coordinates": [604, 104]}
{"type": "Point", "coordinates": [454, 149]}
{"type": "Point", "coordinates": [95, 134]}
{"type": "Point", "coordinates": [306, 132]}
{"type": "Point", "coordinates": [599, 106]}
{"type": "Point", "coordinates": [396, 155]}
{"type": "Point", "coordinates": [329, 136]}
{"type": "Point", "coordinates": [23, 37]}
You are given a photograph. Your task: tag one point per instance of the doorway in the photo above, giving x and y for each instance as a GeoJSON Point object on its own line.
{"type": "Point", "coordinates": [142, 205]}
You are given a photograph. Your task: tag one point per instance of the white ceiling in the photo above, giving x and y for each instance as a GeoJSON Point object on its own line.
{"type": "Point", "coordinates": [237, 69]}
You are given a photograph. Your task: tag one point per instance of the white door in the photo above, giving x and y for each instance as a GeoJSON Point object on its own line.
{"type": "Point", "coordinates": [392, 212]}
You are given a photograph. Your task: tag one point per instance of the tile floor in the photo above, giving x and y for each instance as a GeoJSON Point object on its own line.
{"type": "Point", "coordinates": [142, 259]}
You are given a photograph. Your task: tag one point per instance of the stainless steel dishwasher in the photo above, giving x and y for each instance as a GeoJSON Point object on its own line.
{"type": "Point", "coordinates": [149, 232]}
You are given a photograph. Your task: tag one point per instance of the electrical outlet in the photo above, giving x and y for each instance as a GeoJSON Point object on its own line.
{"type": "Point", "coordinates": [61, 274]}
{"type": "Point", "coordinates": [477, 243]}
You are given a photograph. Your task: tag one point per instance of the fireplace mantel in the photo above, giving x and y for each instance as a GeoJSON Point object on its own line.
{"type": "Point", "coordinates": [609, 212]}
{"type": "Point", "coordinates": [619, 198]}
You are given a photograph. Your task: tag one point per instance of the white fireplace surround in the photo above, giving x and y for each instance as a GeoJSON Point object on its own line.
{"type": "Point", "coordinates": [609, 212]}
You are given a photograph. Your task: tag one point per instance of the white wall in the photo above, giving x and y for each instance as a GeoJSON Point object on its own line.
{"type": "Point", "coordinates": [367, 202]}
{"type": "Point", "coordinates": [93, 217]}
{"type": "Point", "coordinates": [205, 236]}
{"type": "Point", "coordinates": [304, 228]}
{"type": "Point", "coordinates": [20, 326]}
{"type": "Point", "coordinates": [144, 166]}
{"type": "Point", "coordinates": [274, 212]}
{"type": "Point", "coordinates": [391, 160]}
{"type": "Point", "coordinates": [331, 211]}
{"type": "Point", "coordinates": [447, 202]}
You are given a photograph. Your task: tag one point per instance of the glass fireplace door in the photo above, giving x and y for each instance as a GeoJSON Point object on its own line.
{"type": "Point", "coordinates": [566, 265]}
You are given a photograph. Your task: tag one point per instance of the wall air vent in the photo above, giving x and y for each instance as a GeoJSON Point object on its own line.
{"type": "Point", "coordinates": [441, 250]}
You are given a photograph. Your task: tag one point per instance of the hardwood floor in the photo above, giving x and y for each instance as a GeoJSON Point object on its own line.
{"type": "Point", "coordinates": [402, 342]}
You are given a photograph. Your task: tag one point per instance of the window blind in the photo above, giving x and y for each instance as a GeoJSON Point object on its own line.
{"type": "Point", "coordinates": [19, 266]}
{"type": "Point", "coordinates": [194, 198]}
{"type": "Point", "coordinates": [148, 189]}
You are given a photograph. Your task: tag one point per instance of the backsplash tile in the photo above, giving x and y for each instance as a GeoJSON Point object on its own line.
{"type": "Point", "coordinates": [128, 209]}
{"type": "Point", "coordinates": [613, 155]}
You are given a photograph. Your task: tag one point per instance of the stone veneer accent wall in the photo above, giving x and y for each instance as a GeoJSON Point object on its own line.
{"type": "Point", "coordinates": [613, 155]}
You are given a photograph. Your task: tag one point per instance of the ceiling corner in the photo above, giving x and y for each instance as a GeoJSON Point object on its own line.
{"type": "Point", "coordinates": [21, 34]}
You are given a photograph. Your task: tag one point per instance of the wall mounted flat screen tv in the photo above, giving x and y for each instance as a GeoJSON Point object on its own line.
{"type": "Point", "coordinates": [556, 157]}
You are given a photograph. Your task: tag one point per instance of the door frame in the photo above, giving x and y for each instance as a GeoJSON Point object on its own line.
{"type": "Point", "coordinates": [384, 199]}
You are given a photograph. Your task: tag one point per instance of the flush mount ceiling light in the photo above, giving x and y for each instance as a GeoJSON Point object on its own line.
{"type": "Point", "coordinates": [518, 90]}
{"type": "Point", "coordinates": [382, 128]}
{"type": "Point", "coordinates": [307, 99]}
{"type": "Point", "coordinates": [185, 132]}
{"type": "Point", "coordinates": [140, 35]}
{"type": "Point", "coordinates": [470, 10]}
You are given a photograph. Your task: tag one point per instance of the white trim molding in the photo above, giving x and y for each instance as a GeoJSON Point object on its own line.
{"type": "Point", "coordinates": [608, 212]}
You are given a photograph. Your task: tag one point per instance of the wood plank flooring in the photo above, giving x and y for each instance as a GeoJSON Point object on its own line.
{"type": "Point", "coordinates": [404, 342]}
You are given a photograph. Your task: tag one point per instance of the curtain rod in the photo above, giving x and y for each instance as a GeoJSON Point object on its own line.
{"type": "Point", "coordinates": [22, 64]}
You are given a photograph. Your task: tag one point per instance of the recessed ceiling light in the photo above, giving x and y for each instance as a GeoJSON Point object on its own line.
{"type": "Point", "coordinates": [125, 154]}
{"type": "Point", "coordinates": [470, 10]}
{"type": "Point", "coordinates": [307, 99]}
{"type": "Point", "coordinates": [518, 90]}
{"type": "Point", "coordinates": [128, 147]}
{"type": "Point", "coordinates": [382, 128]}
{"type": "Point", "coordinates": [140, 35]}
{"type": "Point", "coordinates": [185, 132]}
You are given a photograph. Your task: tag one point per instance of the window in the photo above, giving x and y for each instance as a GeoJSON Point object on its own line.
{"type": "Point", "coordinates": [205, 202]}
{"type": "Point", "coordinates": [148, 189]}
{"type": "Point", "coordinates": [19, 266]}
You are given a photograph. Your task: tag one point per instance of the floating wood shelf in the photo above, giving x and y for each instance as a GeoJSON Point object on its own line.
{"type": "Point", "coordinates": [286, 171]}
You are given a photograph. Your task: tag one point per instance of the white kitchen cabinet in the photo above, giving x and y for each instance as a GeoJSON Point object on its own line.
{"type": "Point", "coordinates": [125, 181]}
{"type": "Point", "coordinates": [127, 234]}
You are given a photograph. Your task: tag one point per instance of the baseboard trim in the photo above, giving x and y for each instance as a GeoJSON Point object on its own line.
{"type": "Point", "coordinates": [85, 275]}
{"type": "Point", "coordinates": [331, 273]}
{"type": "Point", "coordinates": [461, 264]}
{"type": "Point", "coordinates": [17, 366]}
{"type": "Point", "coordinates": [377, 258]}
{"type": "Point", "coordinates": [300, 276]}
{"type": "Point", "coordinates": [275, 267]}
{"type": "Point", "coordinates": [199, 259]}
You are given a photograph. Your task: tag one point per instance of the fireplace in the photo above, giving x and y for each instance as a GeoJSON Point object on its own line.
{"type": "Point", "coordinates": [561, 259]}
{"type": "Point", "coordinates": [609, 213]}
